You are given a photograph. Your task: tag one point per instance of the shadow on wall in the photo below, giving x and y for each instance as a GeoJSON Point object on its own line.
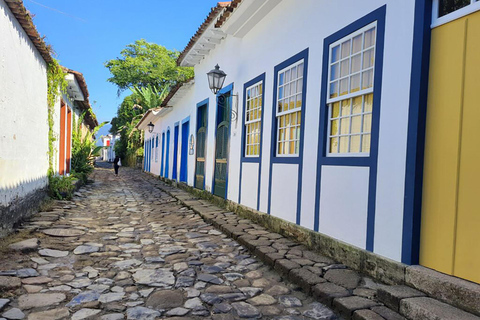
{"type": "Point", "coordinates": [20, 32]}
{"type": "Point", "coordinates": [21, 207]}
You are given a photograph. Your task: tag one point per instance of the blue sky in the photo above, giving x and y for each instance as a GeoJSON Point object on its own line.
{"type": "Point", "coordinates": [86, 33]}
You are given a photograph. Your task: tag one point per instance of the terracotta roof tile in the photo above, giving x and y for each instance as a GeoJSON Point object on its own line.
{"type": "Point", "coordinates": [90, 118]}
{"type": "Point", "coordinates": [173, 91]}
{"type": "Point", "coordinates": [212, 15]}
{"type": "Point", "coordinates": [23, 17]}
{"type": "Point", "coordinates": [224, 16]}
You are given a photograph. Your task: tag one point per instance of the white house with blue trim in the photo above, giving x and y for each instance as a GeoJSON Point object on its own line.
{"type": "Point", "coordinates": [315, 123]}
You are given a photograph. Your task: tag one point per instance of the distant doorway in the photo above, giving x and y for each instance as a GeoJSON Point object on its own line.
{"type": "Point", "coordinates": [201, 146]}
{"type": "Point", "coordinates": [175, 152]}
{"type": "Point", "coordinates": [184, 151]}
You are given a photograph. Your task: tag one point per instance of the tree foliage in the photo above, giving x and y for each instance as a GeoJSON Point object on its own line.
{"type": "Point", "coordinates": [149, 70]}
{"type": "Point", "coordinates": [143, 63]}
{"type": "Point", "coordinates": [84, 149]}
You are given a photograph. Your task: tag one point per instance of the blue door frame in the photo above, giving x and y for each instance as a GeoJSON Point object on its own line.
{"type": "Point", "coordinates": [184, 150]}
{"type": "Point", "coordinates": [175, 152]}
{"type": "Point", "coordinates": [167, 157]}
{"type": "Point", "coordinates": [163, 154]}
{"type": "Point", "coordinates": [222, 119]}
{"type": "Point", "coordinates": [201, 133]}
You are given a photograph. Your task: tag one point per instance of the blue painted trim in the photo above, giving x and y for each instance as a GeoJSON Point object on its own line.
{"type": "Point", "coordinates": [163, 154]}
{"type": "Point", "coordinates": [184, 157]}
{"type": "Point", "coordinates": [201, 103]}
{"type": "Point", "coordinates": [273, 149]}
{"type": "Point", "coordinates": [368, 161]}
{"type": "Point", "coordinates": [242, 154]}
{"type": "Point", "coordinates": [223, 91]}
{"type": "Point", "coordinates": [167, 151]}
{"type": "Point", "coordinates": [417, 116]}
{"type": "Point", "coordinates": [176, 134]}
{"type": "Point", "coordinates": [144, 154]}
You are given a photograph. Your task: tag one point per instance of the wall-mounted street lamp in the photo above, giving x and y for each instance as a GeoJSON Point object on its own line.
{"type": "Point", "coordinates": [216, 78]}
{"type": "Point", "coordinates": [150, 127]}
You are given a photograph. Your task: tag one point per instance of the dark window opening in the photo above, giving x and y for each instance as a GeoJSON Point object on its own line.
{"type": "Point", "coordinates": [449, 6]}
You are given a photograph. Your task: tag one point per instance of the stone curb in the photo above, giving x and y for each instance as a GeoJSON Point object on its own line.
{"type": "Point", "coordinates": [341, 291]}
{"type": "Point", "coordinates": [289, 258]}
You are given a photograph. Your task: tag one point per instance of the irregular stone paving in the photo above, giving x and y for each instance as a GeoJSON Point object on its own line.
{"type": "Point", "coordinates": [125, 249]}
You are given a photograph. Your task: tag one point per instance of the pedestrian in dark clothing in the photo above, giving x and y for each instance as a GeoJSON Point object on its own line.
{"type": "Point", "coordinates": [116, 164]}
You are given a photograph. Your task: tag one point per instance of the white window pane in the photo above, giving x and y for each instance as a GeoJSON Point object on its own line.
{"type": "Point", "coordinates": [369, 38]}
{"type": "Point", "coordinates": [299, 85]}
{"type": "Point", "coordinates": [300, 70]}
{"type": "Point", "coordinates": [357, 44]}
{"type": "Point", "coordinates": [368, 59]}
{"type": "Point", "coordinates": [334, 89]}
{"type": "Point", "coordinates": [355, 83]}
{"type": "Point", "coordinates": [356, 63]}
{"type": "Point", "coordinates": [344, 86]}
{"type": "Point", "coordinates": [334, 71]}
{"type": "Point", "coordinates": [345, 49]}
{"type": "Point", "coordinates": [367, 79]}
{"type": "Point", "coordinates": [335, 54]}
{"type": "Point", "coordinates": [344, 68]}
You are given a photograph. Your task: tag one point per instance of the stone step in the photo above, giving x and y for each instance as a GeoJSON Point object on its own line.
{"type": "Point", "coordinates": [458, 292]}
{"type": "Point", "coordinates": [424, 308]}
{"type": "Point", "coordinates": [392, 295]}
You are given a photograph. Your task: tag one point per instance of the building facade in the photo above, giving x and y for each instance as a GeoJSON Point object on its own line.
{"type": "Point", "coordinates": [24, 124]}
{"type": "Point", "coordinates": [108, 143]}
{"type": "Point", "coordinates": [321, 119]}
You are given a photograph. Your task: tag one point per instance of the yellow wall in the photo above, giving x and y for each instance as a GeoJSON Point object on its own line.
{"type": "Point", "coordinates": [450, 235]}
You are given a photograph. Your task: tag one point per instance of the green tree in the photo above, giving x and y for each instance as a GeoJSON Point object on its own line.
{"type": "Point", "coordinates": [143, 63]}
{"type": "Point", "coordinates": [84, 149]}
{"type": "Point", "coordinates": [128, 115]}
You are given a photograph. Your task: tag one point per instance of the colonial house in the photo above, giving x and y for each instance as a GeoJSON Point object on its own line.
{"type": "Point", "coordinates": [24, 125]}
{"type": "Point", "coordinates": [355, 119]}
{"type": "Point", "coordinates": [108, 143]}
{"type": "Point", "coordinates": [67, 111]}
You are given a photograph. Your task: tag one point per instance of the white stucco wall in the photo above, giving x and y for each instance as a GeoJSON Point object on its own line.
{"type": "Point", "coordinates": [288, 29]}
{"type": "Point", "coordinates": [23, 112]}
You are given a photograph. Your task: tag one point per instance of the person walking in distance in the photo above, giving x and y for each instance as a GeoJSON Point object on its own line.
{"type": "Point", "coordinates": [116, 164]}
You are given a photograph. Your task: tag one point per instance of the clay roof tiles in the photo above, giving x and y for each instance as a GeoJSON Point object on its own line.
{"type": "Point", "coordinates": [210, 17]}
{"type": "Point", "coordinates": [90, 118]}
{"type": "Point", "coordinates": [24, 18]}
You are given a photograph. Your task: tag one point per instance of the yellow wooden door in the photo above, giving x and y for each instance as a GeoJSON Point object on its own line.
{"type": "Point", "coordinates": [450, 234]}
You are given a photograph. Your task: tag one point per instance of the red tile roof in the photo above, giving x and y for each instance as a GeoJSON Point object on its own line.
{"type": "Point", "coordinates": [23, 17]}
{"type": "Point", "coordinates": [224, 16]}
{"type": "Point", "coordinates": [90, 118]}
{"type": "Point", "coordinates": [213, 13]}
{"type": "Point", "coordinates": [173, 91]}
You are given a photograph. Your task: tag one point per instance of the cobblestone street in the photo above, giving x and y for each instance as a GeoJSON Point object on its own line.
{"type": "Point", "coordinates": [123, 248]}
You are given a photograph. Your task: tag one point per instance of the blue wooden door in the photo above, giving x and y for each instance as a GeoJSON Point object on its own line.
{"type": "Point", "coordinates": [163, 154]}
{"type": "Point", "coordinates": [184, 152]}
{"type": "Point", "coordinates": [222, 145]}
{"type": "Point", "coordinates": [175, 152]}
{"type": "Point", "coordinates": [167, 156]}
{"type": "Point", "coordinates": [201, 147]}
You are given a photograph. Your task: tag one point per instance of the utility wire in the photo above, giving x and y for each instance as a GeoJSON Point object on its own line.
{"type": "Point", "coordinates": [61, 12]}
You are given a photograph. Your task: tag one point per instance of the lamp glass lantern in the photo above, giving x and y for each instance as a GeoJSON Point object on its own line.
{"type": "Point", "coordinates": [150, 127]}
{"type": "Point", "coordinates": [216, 78]}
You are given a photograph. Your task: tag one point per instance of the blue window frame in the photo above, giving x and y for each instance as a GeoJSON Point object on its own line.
{"type": "Point", "coordinates": [279, 113]}
{"type": "Point", "coordinates": [260, 108]}
{"type": "Point", "coordinates": [366, 160]}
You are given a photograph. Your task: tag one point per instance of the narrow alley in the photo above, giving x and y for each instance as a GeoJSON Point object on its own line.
{"type": "Point", "coordinates": [123, 248]}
